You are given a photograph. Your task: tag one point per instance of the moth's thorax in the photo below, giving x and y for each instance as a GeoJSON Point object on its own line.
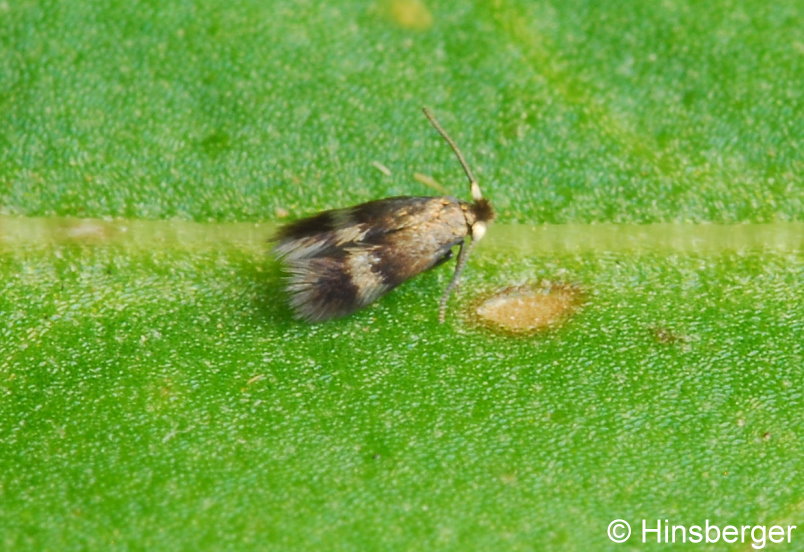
{"type": "Point", "coordinates": [437, 225]}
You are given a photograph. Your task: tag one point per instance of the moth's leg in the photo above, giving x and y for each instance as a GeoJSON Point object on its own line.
{"type": "Point", "coordinates": [463, 256]}
{"type": "Point", "coordinates": [447, 256]}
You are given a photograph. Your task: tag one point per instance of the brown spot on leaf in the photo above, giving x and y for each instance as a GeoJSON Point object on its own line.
{"type": "Point", "coordinates": [667, 336]}
{"type": "Point", "coordinates": [528, 309]}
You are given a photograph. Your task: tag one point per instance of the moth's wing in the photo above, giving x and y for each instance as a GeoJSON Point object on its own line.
{"type": "Point", "coordinates": [336, 283]}
{"type": "Point", "coordinates": [365, 223]}
{"type": "Point", "coordinates": [339, 261]}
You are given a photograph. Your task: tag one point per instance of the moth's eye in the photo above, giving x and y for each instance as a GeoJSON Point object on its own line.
{"type": "Point", "coordinates": [478, 231]}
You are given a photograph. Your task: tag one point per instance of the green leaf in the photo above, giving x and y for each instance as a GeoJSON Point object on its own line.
{"type": "Point", "coordinates": [155, 392]}
{"type": "Point", "coordinates": [231, 110]}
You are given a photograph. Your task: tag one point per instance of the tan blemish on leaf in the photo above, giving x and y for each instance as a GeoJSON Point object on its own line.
{"type": "Point", "coordinates": [530, 308]}
{"type": "Point", "coordinates": [409, 14]}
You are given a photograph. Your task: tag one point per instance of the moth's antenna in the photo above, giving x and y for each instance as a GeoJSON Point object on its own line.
{"type": "Point", "coordinates": [472, 181]}
{"type": "Point", "coordinates": [463, 256]}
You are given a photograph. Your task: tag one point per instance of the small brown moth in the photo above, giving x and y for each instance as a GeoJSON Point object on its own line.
{"type": "Point", "coordinates": [341, 260]}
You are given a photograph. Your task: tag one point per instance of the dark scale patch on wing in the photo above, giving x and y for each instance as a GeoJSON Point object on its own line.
{"type": "Point", "coordinates": [398, 263]}
{"type": "Point", "coordinates": [310, 226]}
{"type": "Point", "coordinates": [393, 266]}
{"type": "Point", "coordinates": [335, 293]}
{"type": "Point", "coordinates": [389, 209]}
{"type": "Point", "coordinates": [325, 289]}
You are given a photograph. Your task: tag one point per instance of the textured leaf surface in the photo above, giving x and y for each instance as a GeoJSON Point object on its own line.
{"type": "Point", "coordinates": [572, 112]}
{"type": "Point", "coordinates": [155, 393]}
{"type": "Point", "coordinates": [160, 396]}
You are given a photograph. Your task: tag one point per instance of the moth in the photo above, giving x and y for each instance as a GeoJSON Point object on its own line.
{"type": "Point", "coordinates": [341, 260]}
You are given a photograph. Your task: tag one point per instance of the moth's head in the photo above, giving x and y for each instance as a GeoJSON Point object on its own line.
{"type": "Point", "coordinates": [482, 211]}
